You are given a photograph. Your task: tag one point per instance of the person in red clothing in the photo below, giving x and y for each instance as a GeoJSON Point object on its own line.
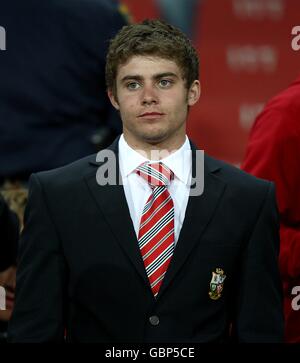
{"type": "Point", "coordinates": [273, 153]}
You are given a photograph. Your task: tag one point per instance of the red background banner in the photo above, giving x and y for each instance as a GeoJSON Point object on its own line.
{"type": "Point", "coordinates": [246, 57]}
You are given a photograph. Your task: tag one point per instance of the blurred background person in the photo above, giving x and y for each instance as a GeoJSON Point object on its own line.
{"type": "Point", "coordinates": [273, 153]}
{"type": "Point", "coordinates": [9, 235]}
{"type": "Point", "coordinates": [54, 107]}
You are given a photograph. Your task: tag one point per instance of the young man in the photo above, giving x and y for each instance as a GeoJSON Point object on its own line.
{"type": "Point", "coordinates": [145, 258]}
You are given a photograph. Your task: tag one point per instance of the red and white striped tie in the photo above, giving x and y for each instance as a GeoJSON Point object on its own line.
{"type": "Point", "coordinates": [156, 233]}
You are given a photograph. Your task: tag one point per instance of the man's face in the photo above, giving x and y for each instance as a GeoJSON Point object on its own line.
{"type": "Point", "coordinates": [153, 101]}
{"type": "Point", "coordinates": [8, 281]}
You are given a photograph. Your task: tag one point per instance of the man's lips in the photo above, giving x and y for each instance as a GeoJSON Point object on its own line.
{"type": "Point", "coordinates": [151, 114]}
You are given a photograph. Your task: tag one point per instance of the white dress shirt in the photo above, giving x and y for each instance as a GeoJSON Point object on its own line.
{"type": "Point", "coordinates": [137, 190]}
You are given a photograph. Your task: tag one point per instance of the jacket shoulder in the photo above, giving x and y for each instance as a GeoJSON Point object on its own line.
{"type": "Point", "coordinates": [69, 174]}
{"type": "Point", "coordinates": [237, 178]}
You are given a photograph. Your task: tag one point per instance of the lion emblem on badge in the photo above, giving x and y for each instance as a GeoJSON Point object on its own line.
{"type": "Point", "coordinates": [216, 284]}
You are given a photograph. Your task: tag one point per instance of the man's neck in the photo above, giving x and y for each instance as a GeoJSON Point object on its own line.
{"type": "Point", "coordinates": [156, 151]}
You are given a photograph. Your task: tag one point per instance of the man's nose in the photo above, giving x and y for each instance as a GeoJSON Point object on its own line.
{"type": "Point", "coordinates": [149, 95]}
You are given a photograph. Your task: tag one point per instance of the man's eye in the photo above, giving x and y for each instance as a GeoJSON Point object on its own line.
{"type": "Point", "coordinates": [133, 85]}
{"type": "Point", "coordinates": [164, 83]}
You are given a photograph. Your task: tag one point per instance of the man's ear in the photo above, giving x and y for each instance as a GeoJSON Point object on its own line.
{"type": "Point", "coordinates": [194, 93]}
{"type": "Point", "coordinates": [113, 99]}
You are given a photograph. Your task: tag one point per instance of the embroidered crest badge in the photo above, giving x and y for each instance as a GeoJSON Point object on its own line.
{"type": "Point", "coordinates": [216, 284]}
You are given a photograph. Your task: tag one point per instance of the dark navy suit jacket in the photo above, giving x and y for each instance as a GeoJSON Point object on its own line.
{"type": "Point", "coordinates": [80, 267]}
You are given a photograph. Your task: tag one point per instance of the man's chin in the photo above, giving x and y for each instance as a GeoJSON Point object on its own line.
{"type": "Point", "coordinates": [155, 138]}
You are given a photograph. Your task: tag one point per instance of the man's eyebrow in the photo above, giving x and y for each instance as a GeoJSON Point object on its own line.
{"type": "Point", "coordinates": [165, 74]}
{"type": "Point", "coordinates": [131, 76]}
{"type": "Point", "coordinates": [138, 77]}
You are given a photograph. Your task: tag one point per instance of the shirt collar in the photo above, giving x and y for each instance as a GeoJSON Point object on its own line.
{"type": "Point", "coordinates": [179, 162]}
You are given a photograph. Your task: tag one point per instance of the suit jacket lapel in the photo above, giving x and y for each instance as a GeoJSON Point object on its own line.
{"type": "Point", "coordinates": [113, 206]}
{"type": "Point", "coordinates": [200, 211]}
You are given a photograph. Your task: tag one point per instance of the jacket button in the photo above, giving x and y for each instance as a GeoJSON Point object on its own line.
{"type": "Point", "coordinates": [154, 320]}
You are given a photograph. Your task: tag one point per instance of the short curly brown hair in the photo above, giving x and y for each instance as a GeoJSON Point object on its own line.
{"type": "Point", "coordinates": [151, 37]}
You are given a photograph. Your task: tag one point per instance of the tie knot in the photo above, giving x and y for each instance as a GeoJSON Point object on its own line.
{"type": "Point", "coordinates": [156, 174]}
